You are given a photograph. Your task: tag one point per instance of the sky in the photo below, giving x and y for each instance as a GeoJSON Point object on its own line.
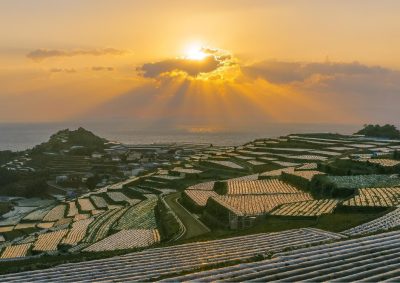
{"type": "Point", "coordinates": [200, 65]}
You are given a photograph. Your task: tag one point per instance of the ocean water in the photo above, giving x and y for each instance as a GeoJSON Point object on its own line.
{"type": "Point", "coordinates": [23, 136]}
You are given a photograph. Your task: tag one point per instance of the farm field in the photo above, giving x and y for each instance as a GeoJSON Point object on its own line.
{"type": "Point", "coordinates": [49, 241]}
{"type": "Point", "coordinates": [140, 216]}
{"type": "Point", "coordinates": [150, 264]}
{"type": "Point", "coordinates": [310, 208]}
{"type": "Point", "coordinates": [375, 197]}
{"type": "Point", "coordinates": [365, 181]}
{"type": "Point", "coordinates": [55, 214]}
{"type": "Point", "coordinates": [199, 197]}
{"type": "Point", "coordinates": [99, 202]}
{"type": "Point", "coordinates": [225, 210]}
{"type": "Point", "coordinates": [16, 251]}
{"type": "Point", "coordinates": [77, 232]}
{"type": "Point", "coordinates": [259, 204]}
{"type": "Point", "coordinates": [273, 186]}
{"type": "Point", "coordinates": [388, 221]}
{"type": "Point", "coordinates": [118, 197]}
{"type": "Point", "coordinates": [344, 261]}
{"type": "Point", "coordinates": [126, 239]}
{"type": "Point", "coordinates": [85, 205]}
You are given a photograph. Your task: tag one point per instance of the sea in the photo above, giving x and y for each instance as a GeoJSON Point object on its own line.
{"type": "Point", "coordinates": [21, 136]}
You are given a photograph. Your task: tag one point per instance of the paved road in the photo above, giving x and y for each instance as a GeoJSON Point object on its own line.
{"type": "Point", "coordinates": [193, 226]}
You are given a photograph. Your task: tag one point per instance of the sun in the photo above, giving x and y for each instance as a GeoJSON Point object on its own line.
{"type": "Point", "coordinates": [195, 52]}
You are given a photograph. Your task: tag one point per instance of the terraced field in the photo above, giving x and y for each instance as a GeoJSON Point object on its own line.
{"type": "Point", "coordinates": [141, 216]}
{"type": "Point", "coordinates": [16, 251]}
{"type": "Point", "coordinates": [167, 261]}
{"type": "Point", "coordinates": [77, 232]}
{"type": "Point", "coordinates": [272, 186]}
{"type": "Point", "coordinates": [38, 214]}
{"type": "Point", "coordinates": [118, 197]}
{"type": "Point", "coordinates": [126, 239]}
{"type": "Point", "coordinates": [99, 228]}
{"type": "Point", "coordinates": [55, 214]}
{"type": "Point", "coordinates": [99, 202]}
{"type": "Point", "coordinates": [365, 181]}
{"type": "Point", "coordinates": [388, 221]}
{"type": "Point", "coordinates": [375, 197]}
{"type": "Point", "coordinates": [49, 241]}
{"type": "Point", "coordinates": [369, 259]}
{"type": "Point", "coordinates": [309, 208]}
{"type": "Point", "coordinates": [253, 205]}
{"type": "Point", "coordinates": [200, 197]}
{"type": "Point", "coordinates": [85, 205]}
{"type": "Point", "coordinates": [307, 175]}
{"type": "Point", "coordinates": [72, 209]}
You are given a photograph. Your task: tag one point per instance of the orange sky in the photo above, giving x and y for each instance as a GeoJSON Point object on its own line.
{"type": "Point", "coordinates": [286, 61]}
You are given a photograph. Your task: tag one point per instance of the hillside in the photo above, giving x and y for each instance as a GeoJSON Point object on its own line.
{"type": "Point", "coordinates": [76, 142]}
{"type": "Point", "coordinates": [377, 131]}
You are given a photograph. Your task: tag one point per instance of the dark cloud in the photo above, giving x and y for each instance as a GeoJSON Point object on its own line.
{"type": "Point", "coordinates": [61, 70]}
{"type": "Point", "coordinates": [190, 67]}
{"type": "Point", "coordinates": [288, 72]}
{"type": "Point", "coordinates": [41, 54]}
{"type": "Point", "coordinates": [101, 68]}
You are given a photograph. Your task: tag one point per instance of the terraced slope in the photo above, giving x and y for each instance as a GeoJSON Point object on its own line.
{"type": "Point", "coordinates": [153, 263]}
{"type": "Point", "coordinates": [374, 258]}
{"type": "Point", "coordinates": [99, 228]}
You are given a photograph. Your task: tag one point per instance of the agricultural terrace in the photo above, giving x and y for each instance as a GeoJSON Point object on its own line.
{"type": "Point", "coordinates": [368, 259]}
{"type": "Point", "coordinates": [308, 157]}
{"type": "Point", "coordinates": [72, 209]}
{"type": "Point", "coordinates": [309, 208]}
{"type": "Point", "coordinates": [77, 232]}
{"type": "Point", "coordinates": [16, 251]}
{"type": "Point", "coordinates": [55, 214]}
{"type": "Point", "coordinates": [140, 216]}
{"type": "Point", "coordinates": [85, 204]}
{"type": "Point", "coordinates": [252, 205]}
{"type": "Point", "coordinates": [199, 197]}
{"type": "Point", "coordinates": [24, 226]}
{"type": "Point", "coordinates": [388, 221]}
{"type": "Point", "coordinates": [119, 197]}
{"type": "Point", "coordinates": [384, 162]}
{"type": "Point", "coordinates": [150, 264]}
{"type": "Point", "coordinates": [4, 229]}
{"type": "Point", "coordinates": [62, 221]}
{"type": "Point", "coordinates": [99, 202]}
{"type": "Point", "coordinates": [81, 216]}
{"type": "Point", "coordinates": [126, 239]}
{"type": "Point", "coordinates": [49, 241]}
{"type": "Point", "coordinates": [308, 166]}
{"type": "Point", "coordinates": [364, 181]}
{"type": "Point", "coordinates": [225, 164]}
{"type": "Point", "coordinates": [285, 163]}
{"type": "Point", "coordinates": [272, 186]}
{"type": "Point", "coordinates": [38, 214]}
{"type": "Point", "coordinates": [375, 197]}
{"type": "Point", "coordinates": [45, 225]}
{"type": "Point", "coordinates": [307, 175]}
{"type": "Point", "coordinates": [102, 225]}
{"type": "Point", "coordinates": [207, 186]}
{"type": "Point", "coordinates": [276, 173]}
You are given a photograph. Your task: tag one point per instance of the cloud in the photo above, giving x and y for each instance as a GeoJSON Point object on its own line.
{"type": "Point", "coordinates": [101, 68]}
{"type": "Point", "coordinates": [42, 54]}
{"type": "Point", "coordinates": [63, 70]}
{"type": "Point", "coordinates": [280, 72]}
{"type": "Point", "coordinates": [215, 61]}
{"type": "Point", "coordinates": [190, 67]}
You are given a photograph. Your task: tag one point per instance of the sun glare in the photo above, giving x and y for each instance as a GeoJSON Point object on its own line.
{"type": "Point", "coordinates": [194, 52]}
